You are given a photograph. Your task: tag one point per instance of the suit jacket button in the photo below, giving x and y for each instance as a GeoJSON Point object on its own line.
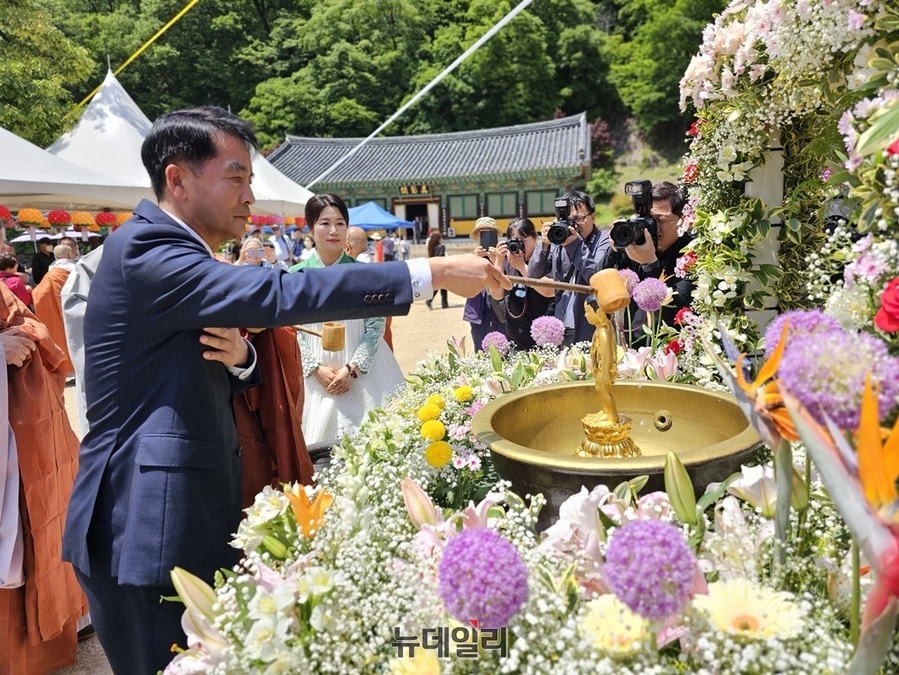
{"type": "Point", "coordinates": [367, 299]}
{"type": "Point", "coordinates": [382, 298]}
{"type": "Point", "coordinates": [388, 297]}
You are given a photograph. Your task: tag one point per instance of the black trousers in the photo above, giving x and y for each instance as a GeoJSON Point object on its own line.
{"type": "Point", "coordinates": [135, 628]}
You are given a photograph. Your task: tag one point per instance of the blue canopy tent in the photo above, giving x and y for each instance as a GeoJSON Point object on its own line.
{"type": "Point", "coordinates": [370, 216]}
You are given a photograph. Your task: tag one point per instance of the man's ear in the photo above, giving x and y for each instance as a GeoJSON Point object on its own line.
{"type": "Point", "coordinates": [177, 178]}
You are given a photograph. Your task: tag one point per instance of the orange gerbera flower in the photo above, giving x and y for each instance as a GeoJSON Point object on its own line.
{"type": "Point", "coordinates": [309, 514]}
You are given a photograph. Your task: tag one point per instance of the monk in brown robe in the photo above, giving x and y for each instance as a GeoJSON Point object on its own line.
{"type": "Point", "coordinates": [269, 416]}
{"type": "Point", "coordinates": [48, 300]}
{"type": "Point", "coordinates": [38, 620]}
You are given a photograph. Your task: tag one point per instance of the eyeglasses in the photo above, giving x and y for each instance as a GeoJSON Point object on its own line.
{"type": "Point", "coordinates": [580, 219]}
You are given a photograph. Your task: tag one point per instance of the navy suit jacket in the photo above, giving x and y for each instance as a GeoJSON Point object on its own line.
{"type": "Point", "coordinates": [159, 477]}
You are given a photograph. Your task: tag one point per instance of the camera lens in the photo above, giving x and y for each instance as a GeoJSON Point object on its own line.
{"type": "Point", "coordinates": [558, 233]}
{"type": "Point", "coordinates": [515, 246]}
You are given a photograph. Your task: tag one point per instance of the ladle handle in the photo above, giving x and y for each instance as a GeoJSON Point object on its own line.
{"type": "Point", "coordinates": [549, 283]}
{"type": "Point", "coordinates": [311, 331]}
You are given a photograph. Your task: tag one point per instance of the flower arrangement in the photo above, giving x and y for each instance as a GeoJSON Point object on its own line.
{"type": "Point", "coordinates": [379, 570]}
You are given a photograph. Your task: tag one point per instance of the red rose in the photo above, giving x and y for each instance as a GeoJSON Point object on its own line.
{"type": "Point", "coordinates": [893, 148]}
{"type": "Point", "coordinates": [683, 314]}
{"type": "Point", "coordinates": [674, 347]}
{"type": "Point", "coordinates": [691, 173]}
{"type": "Point", "coordinates": [694, 128]}
{"type": "Point", "coordinates": [887, 318]}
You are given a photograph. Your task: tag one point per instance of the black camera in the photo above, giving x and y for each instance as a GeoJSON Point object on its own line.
{"type": "Point", "coordinates": [515, 246]}
{"type": "Point", "coordinates": [558, 231]}
{"type": "Point", "coordinates": [633, 230]}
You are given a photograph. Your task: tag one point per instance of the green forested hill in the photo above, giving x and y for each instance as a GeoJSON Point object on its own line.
{"type": "Point", "coordinates": [341, 67]}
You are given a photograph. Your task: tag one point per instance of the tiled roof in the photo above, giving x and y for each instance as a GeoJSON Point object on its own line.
{"type": "Point", "coordinates": [558, 143]}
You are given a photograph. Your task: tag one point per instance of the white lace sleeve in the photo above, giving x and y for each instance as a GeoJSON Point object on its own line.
{"type": "Point", "coordinates": [368, 346]}
{"type": "Point", "coordinates": [307, 353]}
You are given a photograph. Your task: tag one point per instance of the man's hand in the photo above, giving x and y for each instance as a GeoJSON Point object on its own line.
{"type": "Point", "coordinates": [227, 346]}
{"type": "Point", "coordinates": [18, 347]}
{"type": "Point", "coordinates": [644, 253]}
{"type": "Point", "coordinates": [466, 275]}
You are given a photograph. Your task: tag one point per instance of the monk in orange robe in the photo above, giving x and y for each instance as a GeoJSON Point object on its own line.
{"type": "Point", "coordinates": [38, 620]}
{"type": "Point", "coordinates": [47, 297]}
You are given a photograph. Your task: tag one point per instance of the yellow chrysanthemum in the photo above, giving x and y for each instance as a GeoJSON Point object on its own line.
{"type": "Point", "coordinates": [463, 393]}
{"type": "Point", "coordinates": [747, 610]}
{"type": "Point", "coordinates": [438, 454]}
{"type": "Point", "coordinates": [437, 399]}
{"type": "Point", "coordinates": [433, 430]}
{"type": "Point", "coordinates": [615, 629]}
{"type": "Point", "coordinates": [424, 662]}
{"type": "Point", "coordinates": [428, 412]}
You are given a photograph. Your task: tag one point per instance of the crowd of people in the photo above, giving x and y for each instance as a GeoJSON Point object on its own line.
{"type": "Point", "coordinates": [203, 375]}
{"type": "Point", "coordinates": [586, 250]}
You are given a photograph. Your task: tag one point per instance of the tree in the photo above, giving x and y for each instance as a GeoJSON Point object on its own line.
{"type": "Point", "coordinates": [37, 66]}
{"type": "Point", "coordinates": [648, 68]}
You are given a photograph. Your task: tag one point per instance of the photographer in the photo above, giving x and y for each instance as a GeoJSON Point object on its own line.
{"type": "Point", "coordinates": [478, 310]}
{"type": "Point", "coordinates": [518, 307]}
{"type": "Point", "coordinates": [573, 259]}
{"type": "Point", "coordinates": [656, 256]}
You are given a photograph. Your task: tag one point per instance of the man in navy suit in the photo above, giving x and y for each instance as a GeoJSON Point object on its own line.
{"type": "Point", "coordinates": [159, 478]}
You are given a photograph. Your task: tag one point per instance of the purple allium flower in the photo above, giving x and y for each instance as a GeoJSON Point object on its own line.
{"type": "Point", "coordinates": [496, 339]}
{"type": "Point", "coordinates": [482, 576]}
{"type": "Point", "coordinates": [650, 568]}
{"type": "Point", "coordinates": [630, 279]}
{"type": "Point", "coordinates": [547, 330]}
{"type": "Point", "coordinates": [802, 322]}
{"type": "Point", "coordinates": [826, 371]}
{"type": "Point", "coordinates": [649, 294]}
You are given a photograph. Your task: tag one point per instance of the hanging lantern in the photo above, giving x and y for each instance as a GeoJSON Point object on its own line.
{"type": "Point", "coordinates": [122, 217]}
{"type": "Point", "coordinates": [290, 220]}
{"type": "Point", "coordinates": [5, 217]}
{"type": "Point", "coordinates": [59, 218]}
{"type": "Point", "coordinates": [82, 219]}
{"type": "Point", "coordinates": [29, 217]}
{"type": "Point", "coordinates": [106, 219]}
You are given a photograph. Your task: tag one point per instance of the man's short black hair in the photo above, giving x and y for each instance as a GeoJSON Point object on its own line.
{"type": "Point", "coordinates": [675, 195]}
{"type": "Point", "coordinates": [189, 136]}
{"type": "Point", "coordinates": [268, 244]}
{"type": "Point", "coordinates": [576, 198]}
{"type": "Point", "coordinates": [45, 240]}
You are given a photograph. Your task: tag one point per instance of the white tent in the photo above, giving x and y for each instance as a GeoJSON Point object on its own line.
{"type": "Point", "coordinates": [30, 176]}
{"type": "Point", "coordinates": [109, 136]}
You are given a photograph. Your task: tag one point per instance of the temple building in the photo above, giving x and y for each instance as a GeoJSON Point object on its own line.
{"type": "Point", "coordinates": [449, 180]}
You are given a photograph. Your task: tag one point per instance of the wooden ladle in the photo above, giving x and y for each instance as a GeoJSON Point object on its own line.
{"type": "Point", "coordinates": [333, 335]}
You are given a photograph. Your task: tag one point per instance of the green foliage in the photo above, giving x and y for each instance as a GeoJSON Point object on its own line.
{"type": "Point", "coordinates": [37, 65]}
{"type": "Point", "coordinates": [647, 68]}
{"type": "Point", "coordinates": [341, 67]}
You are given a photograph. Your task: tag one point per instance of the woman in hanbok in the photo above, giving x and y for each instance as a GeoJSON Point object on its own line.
{"type": "Point", "coordinates": [343, 386]}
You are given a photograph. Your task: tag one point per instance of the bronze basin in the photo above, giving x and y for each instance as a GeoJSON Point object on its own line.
{"type": "Point", "coordinates": [533, 434]}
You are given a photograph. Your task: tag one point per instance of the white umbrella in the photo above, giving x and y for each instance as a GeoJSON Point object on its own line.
{"type": "Point", "coordinates": [75, 234]}
{"type": "Point", "coordinates": [29, 236]}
